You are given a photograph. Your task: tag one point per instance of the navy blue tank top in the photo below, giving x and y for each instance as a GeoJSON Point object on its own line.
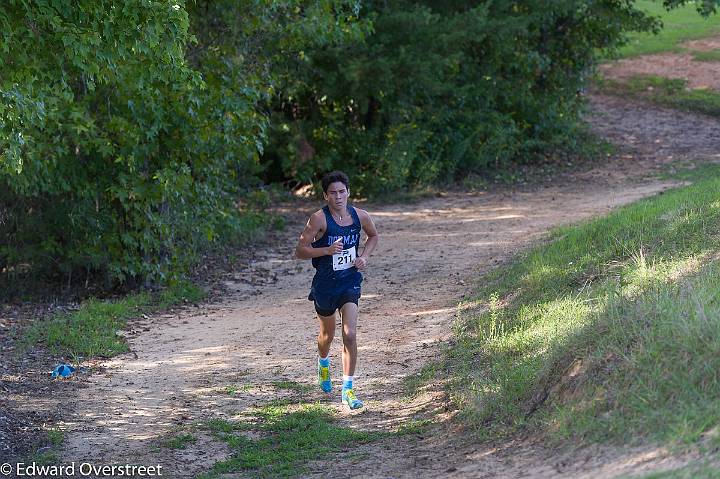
{"type": "Point", "coordinates": [351, 237]}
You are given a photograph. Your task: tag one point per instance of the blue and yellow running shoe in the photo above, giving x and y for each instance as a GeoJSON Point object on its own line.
{"type": "Point", "coordinates": [348, 397]}
{"type": "Point", "coordinates": [324, 376]}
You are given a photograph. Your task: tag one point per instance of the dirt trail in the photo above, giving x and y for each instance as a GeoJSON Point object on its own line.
{"type": "Point", "coordinates": [430, 254]}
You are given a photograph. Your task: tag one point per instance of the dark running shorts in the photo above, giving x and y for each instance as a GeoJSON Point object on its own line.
{"type": "Point", "coordinates": [326, 303]}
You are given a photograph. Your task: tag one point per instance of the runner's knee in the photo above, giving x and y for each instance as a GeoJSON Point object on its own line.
{"type": "Point", "coordinates": [326, 335]}
{"type": "Point", "coordinates": [349, 338]}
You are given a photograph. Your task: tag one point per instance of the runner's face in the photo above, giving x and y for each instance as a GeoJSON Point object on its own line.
{"type": "Point", "coordinates": [337, 196]}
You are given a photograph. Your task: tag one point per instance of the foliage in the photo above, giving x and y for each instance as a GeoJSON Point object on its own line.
{"type": "Point", "coordinates": [94, 164]}
{"type": "Point", "coordinates": [128, 129]}
{"type": "Point", "coordinates": [704, 7]}
{"type": "Point", "coordinates": [439, 90]}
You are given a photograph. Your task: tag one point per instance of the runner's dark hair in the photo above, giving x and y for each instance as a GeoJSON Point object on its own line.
{"type": "Point", "coordinates": [332, 177]}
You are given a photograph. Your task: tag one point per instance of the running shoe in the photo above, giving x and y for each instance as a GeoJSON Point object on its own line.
{"type": "Point", "coordinates": [348, 397]}
{"type": "Point", "coordinates": [324, 378]}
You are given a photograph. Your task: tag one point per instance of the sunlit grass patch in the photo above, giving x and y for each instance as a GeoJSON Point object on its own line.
{"type": "Point", "coordinates": [286, 437]}
{"type": "Point", "coordinates": [93, 329]}
{"type": "Point", "coordinates": [237, 389]}
{"type": "Point", "coordinates": [90, 331]}
{"type": "Point", "coordinates": [609, 331]}
{"type": "Point", "coordinates": [223, 426]}
{"type": "Point", "coordinates": [666, 386]}
{"type": "Point", "coordinates": [180, 441]}
{"type": "Point", "coordinates": [679, 25]}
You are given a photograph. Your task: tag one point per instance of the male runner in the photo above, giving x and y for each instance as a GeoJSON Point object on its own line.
{"type": "Point", "coordinates": [331, 239]}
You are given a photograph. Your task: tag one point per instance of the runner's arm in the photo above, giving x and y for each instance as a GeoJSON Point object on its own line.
{"type": "Point", "coordinates": [372, 239]}
{"type": "Point", "coordinates": [304, 249]}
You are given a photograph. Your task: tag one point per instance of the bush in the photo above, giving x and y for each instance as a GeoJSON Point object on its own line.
{"type": "Point", "coordinates": [127, 131]}
{"type": "Point", "coordinates": [439, 90]}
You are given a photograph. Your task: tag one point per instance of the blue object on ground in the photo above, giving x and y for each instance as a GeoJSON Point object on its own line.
{"type": "Point", "coordinates": [62, 370]}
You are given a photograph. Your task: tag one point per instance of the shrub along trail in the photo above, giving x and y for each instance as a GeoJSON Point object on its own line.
{"type": "Point", "coordinates": [257, 343]}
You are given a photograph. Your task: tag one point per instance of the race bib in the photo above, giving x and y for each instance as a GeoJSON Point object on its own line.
{"type": "Point", "coordinates": [345, 259]}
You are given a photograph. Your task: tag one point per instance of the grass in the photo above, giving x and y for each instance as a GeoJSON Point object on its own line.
{"type": "Point", "coordinates": [413, 427]}
{"type": "Point", "coordinates": [178, 293]}
{"type": "Point", "coordinates": [691, 172]}
{"type": "Point", "coordinates": [285, 385]}
{"type": "Point", "coordinates": [180, 441]}
{"type": "Point", "coordinates": [45, 458]}
{"type": "Point", "coordinates": [233, 390]}
{"type": "Point", "coordinates": [707, 56]}
{"type": "Point", "coordinates": [220, 427]}
{"type": "Point", "coordinates": [679, 25]}
{"type": "Point", "coordinates": [92, 330]}
{"type": "Point", "coordinates": [47, 455]}
{"type": "Point", "coordinates": [55, 436]}
{"type": "Point", "coordinates": [291, 435]}
{"type": "Point", "coordinates": [699, 470]}
{"type": "Point", "coordinates": [609, 332]}
{"type": "Point", "coordinates": [293, 386]}
{"type": "Point", "coordinates": [666, 92]}
{"type": "Point", "coordinates": [413, 384]}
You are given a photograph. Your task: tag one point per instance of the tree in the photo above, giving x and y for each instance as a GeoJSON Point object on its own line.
{"type": "Point", "coordinates": [127, 129]}
{"type": "Point", "coordinates": [441, 89]}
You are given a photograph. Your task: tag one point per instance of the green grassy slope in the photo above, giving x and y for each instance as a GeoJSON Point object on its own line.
{"type": "Point", "coordinates": [610, 331]}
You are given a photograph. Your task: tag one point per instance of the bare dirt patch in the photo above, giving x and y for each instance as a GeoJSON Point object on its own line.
{"type": "Point", "coordinates": [669, 65]}
{"type": "Point", "coordinates": [703, 45]}
{"type": "Point", "coordinates": [648, 138]}
{"type": "Point", "coordinates": [682, 66]}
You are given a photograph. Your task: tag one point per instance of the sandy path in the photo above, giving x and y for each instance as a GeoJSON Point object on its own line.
{"type": "Point", "coordinates": [430, 254]}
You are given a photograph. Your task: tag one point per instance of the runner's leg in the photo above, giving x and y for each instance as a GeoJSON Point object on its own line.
{"type": "Point", "coordinates": [349, 312]}
{"type": "Point", "coordinates": [326, 335]}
